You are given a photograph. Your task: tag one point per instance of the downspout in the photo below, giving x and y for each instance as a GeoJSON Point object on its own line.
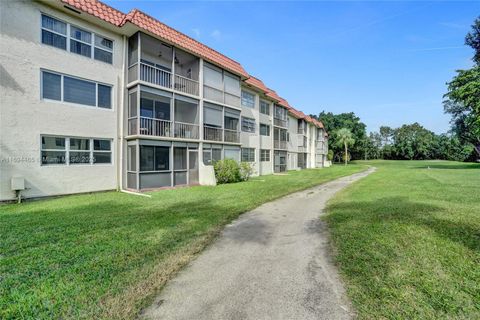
{"type": "Point", "coordinates": [121, 150]}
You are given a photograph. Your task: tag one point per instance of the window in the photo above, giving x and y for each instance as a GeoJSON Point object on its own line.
{"type": "Point", "coordinates": [264, 129]}
{"type": "Point", "coordinates": [264, 155]}
{"type": "Point", "coordinates": [68, 89]}
{"type": "Point", "coordinates": [248, 99]}
{"type": "Point", "coordinates": [55, 33]}
{"type": "Point", "coordinates": [233, 153]}
{"type": "Point", "coordinates": [248, 154]}
{"type": "Point", "coordinates": [53, 150]}
{"type": "Point", "coordinates": [264, 107]}
{"type": "Point", "coordinates": [248, 124]}
{"type": "Point", "coordinates": [103, 49]}
{"type": "Point", "coordinates": [102, 152]}
{"type": "Point", "coordinates": [180, 158]}
{"type": "Point", "coordinates": [71, 151]}
{"type": "Point", "coordinates": [79, 151]}
{"type": "Point", "coordinates": [80, 42]}
{"type": "Point", "coordinates": [280, 113]}
{"type": "Point", "coordinates": [153, 158]}
{"type": "Point", "coordinates": [212, 154]}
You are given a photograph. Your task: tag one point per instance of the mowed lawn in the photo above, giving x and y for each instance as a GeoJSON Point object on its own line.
{"type": "Point", "coordinates": [105, 255]}
{"type": "Point", "coordinates": [407, 240]}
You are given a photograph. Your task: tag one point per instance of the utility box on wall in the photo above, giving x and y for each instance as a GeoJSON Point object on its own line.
{"type": "Point", "coordinates": [18, 183]}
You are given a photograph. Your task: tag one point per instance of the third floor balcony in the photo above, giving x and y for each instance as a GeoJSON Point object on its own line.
{"type": "Point", "coordinates": [155, 62]}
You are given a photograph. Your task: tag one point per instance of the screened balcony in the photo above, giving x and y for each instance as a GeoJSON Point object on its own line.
{"type": "Point", "coordinates": [221, 124]}
{"type": "Point", "coordinates": [221, 86]}
{"type": "Point", "coordinates": [155, 113]}
{"type": "Point", "coordinates": [155, 62]}
{"type": "Point", "coordinates": [302, 143]}
{"type": "Point", "coordinates": [280, 116]}
{"type": "Point", "coordinates": [279, 138]}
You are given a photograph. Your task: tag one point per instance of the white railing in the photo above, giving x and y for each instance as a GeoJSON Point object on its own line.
{"type": "Point", "coordinates": [186, 130]}
{"type": "Point", "coordinates": [155, 127]}
{"type": "Point", "coordinates": [155, 75]}
{"type": "Point", "coordinates": [231, 136]}
{"type": "Point", "coordinates": [212, 133]}
{"type": "Point", "coordinates": [277, 144]}
{"type": "Point", "coordinates": [186, 85]}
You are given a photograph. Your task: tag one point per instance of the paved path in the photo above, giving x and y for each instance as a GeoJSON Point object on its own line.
{"type": "Point", "coordinates": [271, 263]}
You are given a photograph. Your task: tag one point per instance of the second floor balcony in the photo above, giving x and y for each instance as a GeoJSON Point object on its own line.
{"type": "Point", "coordinates": [280, 144]}
{"type": "Point", "coordinates": [162, 128]}
{"type": "Point", "coordinates": [221, 135]}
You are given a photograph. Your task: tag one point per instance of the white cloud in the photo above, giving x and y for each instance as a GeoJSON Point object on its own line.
{"type": "Point", "coordinates": [216, 34]}
{"type": "Point", "coordinates": [196, 32]}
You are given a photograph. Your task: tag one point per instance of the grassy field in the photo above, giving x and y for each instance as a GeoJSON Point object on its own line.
{"type": "Point", "coordinates": [104, 255]}
{"type": "Point", "coordinates": [407, 240]}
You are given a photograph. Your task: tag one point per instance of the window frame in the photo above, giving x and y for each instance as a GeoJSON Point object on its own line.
{"type": "Point", "coordinates": [62, 93]}
{"type": "Point", "coordinates": [268, 129]}
{"type": "Point", "coordinates": [265, 155]}
{"type": "Point", "coordinates": [68, 38]}
{"type": "Point", "coordinates": [250, 154]}
{"type": "Point", "coordinates": [242, 92]}
{"type": "Point", "coordinates": [253, 126]}
{"type": "Point", "coordinates": [264, 103]}
{"type": "Point", "coordinates": [67, 150]}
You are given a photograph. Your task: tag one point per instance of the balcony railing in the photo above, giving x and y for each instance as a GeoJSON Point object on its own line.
{"type": "Point", "coordinates": [186, 85]}
{"type": "Point", "coordinates": [219, 134]}
{"type": "Point", "coordinates": [231, 136]}
{"type": "Point", "coordinates": [155, 75]}
{"type": "Point", "coordinates": [162, 128]}
{"type": "Point", "coordinates": [301, 131]}
{"type": "Point", "coordinates": [280, 123]}
{"type": "Point", "coordinates": [212, 133]}
{"type": "Point", "coordinates": [155, 127]}
{"type": "Point", "coordinates": [277, 144]}
{"type": "Point", "coordinates": [163, 78]}
{"type": "Point", "coordinates": [186, 130]}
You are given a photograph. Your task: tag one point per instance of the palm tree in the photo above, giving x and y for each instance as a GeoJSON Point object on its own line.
{"type": "Point", "coordinates": [344, 137]}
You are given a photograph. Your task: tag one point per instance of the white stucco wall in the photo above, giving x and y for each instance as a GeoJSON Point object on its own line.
{"type": "Point", "coordinates": [24, 116]}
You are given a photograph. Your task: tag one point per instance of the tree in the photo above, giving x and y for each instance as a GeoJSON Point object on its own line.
{"type": "Point", "coordinates": [345, 138]}
{"type": "Point", "coordinates": [334, 122]}
{"type": "Point", "coordinates": [462, 99]}
{"type": "Point", "coordinates": [413, 142]}
{"type": "Point", "coordinates": [473, 40]}
{"type": "Point", "coordinates": [386, 133]}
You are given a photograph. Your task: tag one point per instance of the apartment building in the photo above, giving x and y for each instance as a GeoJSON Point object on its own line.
{"type": "Point", "coordinates": [94, 99]}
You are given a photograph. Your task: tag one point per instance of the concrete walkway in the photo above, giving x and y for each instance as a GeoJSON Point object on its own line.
{"type": "Point", "coordinates": [271, 263]}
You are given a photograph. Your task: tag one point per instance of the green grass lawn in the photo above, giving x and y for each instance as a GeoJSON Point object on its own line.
{"type": "Point", "coordinates": [105, 255]}
{"type": "Point", "coordinates": [407, 240]}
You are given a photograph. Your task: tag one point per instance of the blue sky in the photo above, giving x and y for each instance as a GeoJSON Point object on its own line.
{"type": "Point", "coordinates": [386, 61]}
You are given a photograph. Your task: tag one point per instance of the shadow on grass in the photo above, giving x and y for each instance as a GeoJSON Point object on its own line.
{"type": "Point", "coordinates": [401, 210]}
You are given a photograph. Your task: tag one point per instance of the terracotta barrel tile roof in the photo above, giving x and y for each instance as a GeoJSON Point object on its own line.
{"type": "Point", "coordinates": [98, 9]}
{"type": "Point", "coordinates": [160, 29]}
{"type": "Point", "coordinates": [257, 83]}
{"type": "Point", "coordinates": [146, 22]}
{"type": "Point", "coordinates": [150, 24]}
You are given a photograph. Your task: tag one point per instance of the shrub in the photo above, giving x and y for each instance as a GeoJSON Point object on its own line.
{"type": "Point", "coordinates": [330, 155]}
{"type": "Point", "coordinates": [227, 171]}
{"type": "Point", "coordinates": [246, 171]}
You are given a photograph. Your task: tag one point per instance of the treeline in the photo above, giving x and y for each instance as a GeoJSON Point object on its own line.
{"type": "Point", "coordinates": [412, 141]}
{"type": "Point", "coordinates": [408, 142]}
